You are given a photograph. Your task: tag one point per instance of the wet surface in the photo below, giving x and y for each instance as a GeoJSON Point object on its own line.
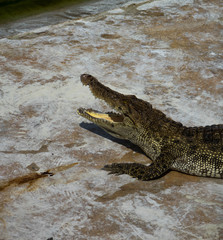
{"type": "Point", "coordinates": [33, 15]}
{"type": "Point", "coordinates": [166, 52]}
{"type": "Point", "coordinates": [14, 10]}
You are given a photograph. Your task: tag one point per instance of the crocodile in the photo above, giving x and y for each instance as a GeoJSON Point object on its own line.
{"type": "Point", "coordinates": [169, 144]}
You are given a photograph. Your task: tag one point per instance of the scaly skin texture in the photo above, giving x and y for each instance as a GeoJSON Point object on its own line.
{"type": "Point", "coordinates": [170, 145]}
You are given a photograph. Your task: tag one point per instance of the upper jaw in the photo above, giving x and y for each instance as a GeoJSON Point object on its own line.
{"type": "Point", "coordinates": [111, 97]}
{"type": "Point", "coordinates": [129, 107]}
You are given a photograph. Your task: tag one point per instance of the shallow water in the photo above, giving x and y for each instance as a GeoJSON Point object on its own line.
{"type": "Point", "coordinates": [44, 15]}
{"type": "Point", "coordinates": [12, 10]}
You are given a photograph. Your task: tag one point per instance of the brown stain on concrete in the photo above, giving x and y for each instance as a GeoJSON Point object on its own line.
{"type": "Point", "coordinates": [43, 148]}
{"type": "Point", "coordinates": [171, 179]}
{"type": "Point", "coordinates": [28, 178]}
{"type": "Point", "coordinates": [32, 177]}
{"type": "Point", "coordinates": [110, 36]}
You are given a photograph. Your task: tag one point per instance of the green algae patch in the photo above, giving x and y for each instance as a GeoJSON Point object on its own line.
{"type": "Point", "coordinates": [11, 10]}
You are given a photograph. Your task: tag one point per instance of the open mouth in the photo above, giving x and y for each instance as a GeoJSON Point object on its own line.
{"type": "Point", "coordinates": [102, 92]}
{"type": "Point", "coordinates": [94, 115]}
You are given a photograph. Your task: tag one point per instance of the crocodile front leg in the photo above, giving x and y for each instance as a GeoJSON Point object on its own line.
{"type": "Point", "coordinates": [155, 170]}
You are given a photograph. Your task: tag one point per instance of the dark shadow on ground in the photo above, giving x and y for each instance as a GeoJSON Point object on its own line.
{"type": "Point", "coordinates": [99, 131]}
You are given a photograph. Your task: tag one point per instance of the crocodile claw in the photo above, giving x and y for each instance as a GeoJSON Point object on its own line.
{"type": "Point", "coordinates": [114, 168]}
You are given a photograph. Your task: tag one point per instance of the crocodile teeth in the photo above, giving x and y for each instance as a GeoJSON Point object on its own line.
{"type": "Point", "coordinates": [109, 116]}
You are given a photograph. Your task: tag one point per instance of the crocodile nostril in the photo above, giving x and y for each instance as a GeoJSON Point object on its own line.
{"type": "Point", "coordinates": [86, 79]}
{"type": "Point", "coordinates": [84, 75]}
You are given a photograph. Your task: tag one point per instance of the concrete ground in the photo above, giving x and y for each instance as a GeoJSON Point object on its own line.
{"type": "Point", "coordinates": [166, 52]}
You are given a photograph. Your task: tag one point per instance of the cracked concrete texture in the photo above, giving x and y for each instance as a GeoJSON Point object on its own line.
{"type": "Point", "coordinates": [166, 52]}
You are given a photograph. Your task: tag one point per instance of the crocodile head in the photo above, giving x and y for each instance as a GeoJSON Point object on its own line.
{"type": "Point", "coordinates": [130, 116]}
